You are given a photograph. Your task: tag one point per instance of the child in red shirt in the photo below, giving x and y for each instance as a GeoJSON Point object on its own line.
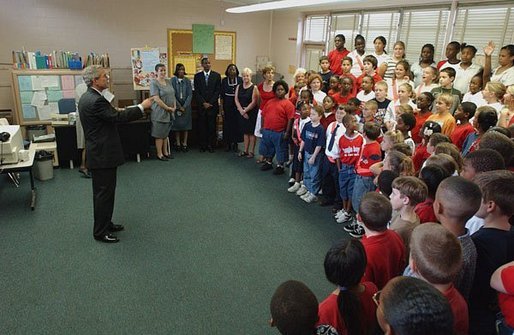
{"type": "Point", "coordinates": [432, 176]}
{"type": "Point", "coordinates": [277, 120]}
{"type": "Point", "coordinates": [385, 251]}
{"type": "Point", "coordinates": [502, 281]}
{"type": "Point", "coordinates": [422, 113]}
{"type": "Point", "coordinates": [464, 112]}
{"type": "Point", "coordinates": [370, 63]}
{"type": "Point", "coordinates": [334, 85]}
{"type": "Point", "coordinates": [436, 257]}
{"type": "Point", "coordinates": [349, 308]}
{"type": "Point", "coordinates": [336, 56]}
{"type": "Point", "coordinates": [421, 153]}
{"type": "Point", "coordinates": [350, 147]}
{"type": "Point", "coordinates": [346, 93]}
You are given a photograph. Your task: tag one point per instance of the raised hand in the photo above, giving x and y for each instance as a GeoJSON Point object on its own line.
{"type": "Point", "coordinates": [489, 48]}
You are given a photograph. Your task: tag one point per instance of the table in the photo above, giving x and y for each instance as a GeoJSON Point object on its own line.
{"type": "Point", "coordinates": [134, 136]}
{"type": "Point", "coordinates": [23, 167]}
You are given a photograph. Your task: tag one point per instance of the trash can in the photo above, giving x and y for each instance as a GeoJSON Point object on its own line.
{"type": "Point", "coordinates": [43, 169]}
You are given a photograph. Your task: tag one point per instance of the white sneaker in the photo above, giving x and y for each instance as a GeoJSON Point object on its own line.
{"type": "Point", "coordinates": [303, 197]}
{"type": "Point", "coordinates": [340, 213]}
{"type": "Point", "coordinates": [291, 180]}
{"type": "Point", "coordinates": [344, 218]}
{"type": "Point", "coordinates": [302, 190]}
{"type": "Point", "coordinates": [294, 188]}
{"type": "Point", "coordinates": [310, 198]}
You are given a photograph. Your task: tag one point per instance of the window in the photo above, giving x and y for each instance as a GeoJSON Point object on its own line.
{"type": "Point", "coordinates": [380, 24]}
{"type": "Point", "coordinates": [479, 25]}
{"type": "Point", "coordinates": [316, 29]}
{"type": "Point", "coordinates": [346, 24]}
{"type": "Point", "coordinates": [420, 27]}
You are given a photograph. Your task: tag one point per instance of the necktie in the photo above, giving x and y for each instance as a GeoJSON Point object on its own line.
{"type": "Point", "coordinates": [206, 79]}
{"type": "Point", "coordinates": [332, 139]}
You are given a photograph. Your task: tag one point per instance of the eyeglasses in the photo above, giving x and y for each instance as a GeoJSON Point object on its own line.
{"type": "Point", "coordinates": [376, 298]}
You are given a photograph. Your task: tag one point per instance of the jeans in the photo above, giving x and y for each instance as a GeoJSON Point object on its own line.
{"type": "Point", "coordinates": [346, 180]}
{"type": "Point", "coordinates": [273, 143]}
{"type": "Point", "coordinates": [312, 173]}
{"type": "Point", "coordinates": [361, 186]}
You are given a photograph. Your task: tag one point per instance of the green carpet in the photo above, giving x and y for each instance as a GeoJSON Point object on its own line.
{"type": "Point", "coordinates": [208, 239]}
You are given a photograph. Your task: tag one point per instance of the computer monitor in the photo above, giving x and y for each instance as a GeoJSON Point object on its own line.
{"type": "Point", "coordinates": [9, 149]}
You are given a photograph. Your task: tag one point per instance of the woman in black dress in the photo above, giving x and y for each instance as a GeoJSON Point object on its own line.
{"type": "Point", "coordinates": [247, 102]}
{"type": "Point", "coordinates": [231, 131]}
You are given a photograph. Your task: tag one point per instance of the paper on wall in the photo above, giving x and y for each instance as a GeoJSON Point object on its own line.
{"type": "Point", "coordinates": [36, 83]}
{"type": "Point", "coordinates": [49, 81]}
{"type": "Point", "coordinates": [38, 99]}
{"type": "Point", "coordinates": [45, 112]}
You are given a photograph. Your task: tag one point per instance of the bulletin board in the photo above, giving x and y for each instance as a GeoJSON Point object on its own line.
{"type": "Point", "coordinates": [180, 50]}
{"type": "Point", "coordinates": [37, 93]}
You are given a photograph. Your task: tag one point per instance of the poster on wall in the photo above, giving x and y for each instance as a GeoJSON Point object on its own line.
{"type": "Point", "coordinates": [143, 62]}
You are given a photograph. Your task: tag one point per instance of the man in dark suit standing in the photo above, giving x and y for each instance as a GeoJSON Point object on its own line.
{"type": "Point", "coordinates": [104, 153]}
{"type": "Point", "coordinates": [206, 93]}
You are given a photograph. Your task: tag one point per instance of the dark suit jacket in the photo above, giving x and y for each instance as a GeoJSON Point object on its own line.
{"type": "Point", "coordinates": [99, 120]}
{"type": "Point", "coordinates": [207, 93]}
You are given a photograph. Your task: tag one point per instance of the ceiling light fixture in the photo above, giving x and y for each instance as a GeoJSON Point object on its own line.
{"type": "Point", "coordinates": [280, 5]}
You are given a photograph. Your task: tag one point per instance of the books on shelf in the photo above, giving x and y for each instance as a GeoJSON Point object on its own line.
{"type": "Point", "coordinates": [56, 60]}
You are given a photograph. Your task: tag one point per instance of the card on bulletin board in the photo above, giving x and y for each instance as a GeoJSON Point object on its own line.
{"type": "Point", "coordinates": [203, 38]}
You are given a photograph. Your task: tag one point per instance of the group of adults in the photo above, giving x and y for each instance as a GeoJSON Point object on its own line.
{"type": "Point", "coordinates": [235, 97]}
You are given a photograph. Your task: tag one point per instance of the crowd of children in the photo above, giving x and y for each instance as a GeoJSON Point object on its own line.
{"type": "Point", "coordinates": [417, 162]}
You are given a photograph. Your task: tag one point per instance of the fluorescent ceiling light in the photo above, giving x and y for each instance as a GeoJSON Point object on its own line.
{"type": "Point", "coordinates": [280, 5]}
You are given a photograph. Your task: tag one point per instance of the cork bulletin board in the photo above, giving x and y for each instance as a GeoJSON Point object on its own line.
{"type": "Point", "coordinates": [180, 50]}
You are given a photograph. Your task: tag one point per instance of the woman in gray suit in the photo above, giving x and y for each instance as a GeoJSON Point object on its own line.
{"type": "Point", "coordinates": [163, 111]}
{"type": "Point", "coordinates": [183, 95]}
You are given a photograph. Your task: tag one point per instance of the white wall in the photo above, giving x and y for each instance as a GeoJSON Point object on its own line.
{"type": "Point", "coordinates": [115, 26]}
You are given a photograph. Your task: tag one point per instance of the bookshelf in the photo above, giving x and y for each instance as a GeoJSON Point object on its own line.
{"type": "Point", "coordinates": [36, 93]}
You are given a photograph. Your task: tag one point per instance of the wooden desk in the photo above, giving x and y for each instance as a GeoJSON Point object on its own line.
{"type": "Point", "coordinates": [24, 167]}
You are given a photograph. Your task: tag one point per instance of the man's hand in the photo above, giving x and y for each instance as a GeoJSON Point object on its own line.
{"type": "Point", "coordinates": [147, 103]}
{"type": "Point", "coordinates": [206, 105]}
{"type": "Point", "coordinates": [312, 160]}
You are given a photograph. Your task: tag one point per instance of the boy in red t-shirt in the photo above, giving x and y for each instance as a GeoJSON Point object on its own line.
{"type": "Point", "coordinates": [277, 120]}
{"type": "Point", "coordinates": [350, 147]}
{"type": "Point", "coordinates": [464, 112]}
{"type": "Point", "coordinates": [370, 155]}
{"type": "Point", "coordinates": [436, 257]}
{"type": "Point", "coordinates": [385, 251]}
{"type": "Point", "coordinates": [346, 93]}
{"type": "Point", "coordinates": [502, 281]}
{"type": "Point", "coordinates": [370, 68]}
{"type": "Point", "coordinates": [336, 56]}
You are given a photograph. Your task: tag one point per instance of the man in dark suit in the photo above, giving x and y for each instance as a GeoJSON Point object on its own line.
{"type": "Point", "coordinates": [206, 93]}
{"type": "Point", "coordinates": [104, 152]}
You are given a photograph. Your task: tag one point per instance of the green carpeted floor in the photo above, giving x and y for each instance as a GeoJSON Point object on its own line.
{"type": "Point", "coordinates": [208, 239]}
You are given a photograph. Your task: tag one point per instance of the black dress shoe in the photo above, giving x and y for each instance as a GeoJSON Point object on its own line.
{"type": "Point", "coordinates": [108, 238]}
{"type": "Point", "coordinates": [116, 227]}
{"type": "Point", "coordinates": [202, 149]}
{"type": "Point", "coordinates": [163, 158]}
{"type": "Point", "coordinates": [211, 149]}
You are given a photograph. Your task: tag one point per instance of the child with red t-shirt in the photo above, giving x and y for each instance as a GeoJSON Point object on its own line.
{"type": "Point", "coordinates": [436, 257]}
{"type": "Point", "coordinates": [336, 56]}
{"type": "Point", "coordinates": [370, 155]}
{"type": "Point", "coordinates": [422, 113]}
{"type": "Point", "coordinates": [370, 63]}
{"type": "Point", "coordinates": [334, 86]}
{"type": "Point", "coordinates": [421, 153]}
{"type": "Point", "coordinates": [350, 147]}
{"type": "Point", "coordinates": [385, 251]}
{"type": "Point", "coordinates": [463, 114]}
{"type": "Point", "coordinates": [346, 93]}
{"type": "Point", "coordinates": [277, 120]}
{"type": "Point", "coordinates": [502, 281]}
{"type": "Point", "coordinates": [349, 308]}
{"type": "Point", "coordinates": [432, 176]}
